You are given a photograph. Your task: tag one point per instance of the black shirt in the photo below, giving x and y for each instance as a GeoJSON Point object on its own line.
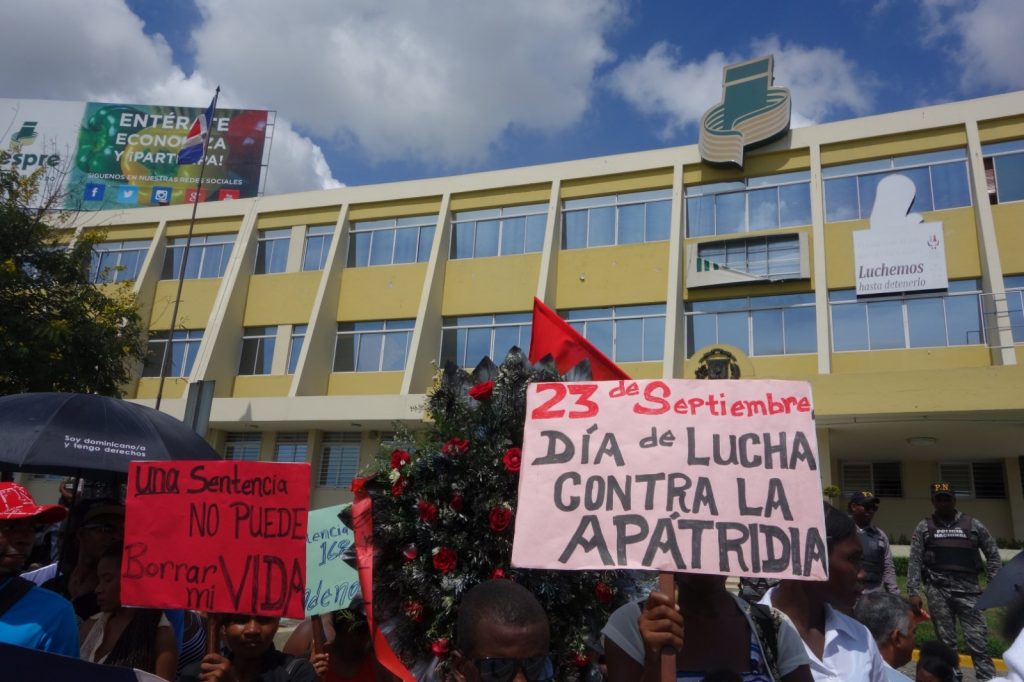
{"type": "Point", "coordinates": [277, 667]}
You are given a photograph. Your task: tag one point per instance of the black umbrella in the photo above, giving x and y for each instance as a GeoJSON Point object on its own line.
{"type": "Point", "coordinates": [74, 433]}
{"type": "Point", "coordinates": [1007, 587]}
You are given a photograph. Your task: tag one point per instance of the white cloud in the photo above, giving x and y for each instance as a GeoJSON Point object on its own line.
{"type": "Point", "coordinates": [98, 51]}
{"type": "Point", "coordinates": [428, 81]}
{"type": "Point", "coordinates": [824, 83]}
{"type": "Point", "coordinates": [986, 37]}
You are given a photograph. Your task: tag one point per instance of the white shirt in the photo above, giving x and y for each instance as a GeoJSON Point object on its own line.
{"type": "Point", "coordinates": [850, 653]}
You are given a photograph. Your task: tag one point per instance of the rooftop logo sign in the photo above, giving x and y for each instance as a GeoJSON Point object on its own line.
{"type": "Point", "coordinates": [899, 252]}
{"type": "Point", "coordinates": [751, 113]}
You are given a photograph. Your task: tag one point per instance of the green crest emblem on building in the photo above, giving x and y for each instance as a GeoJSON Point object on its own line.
{"type": "Point", "coordinates": [751, 113]}
{"type": "Point", "coordinates": [25, 136]}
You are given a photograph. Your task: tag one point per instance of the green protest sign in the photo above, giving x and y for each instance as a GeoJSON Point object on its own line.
{"type": "Point", "coordinates": [331, 584]}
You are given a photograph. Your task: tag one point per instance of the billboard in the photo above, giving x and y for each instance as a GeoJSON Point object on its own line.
{"type": "Point", "coordinates": [117, 156]}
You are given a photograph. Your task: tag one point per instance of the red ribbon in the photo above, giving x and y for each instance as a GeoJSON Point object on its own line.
{"type": "Point", "coordinates": [362, 521]}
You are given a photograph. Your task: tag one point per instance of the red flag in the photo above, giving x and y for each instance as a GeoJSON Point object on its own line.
{"type": "Point", "coordinates": [551, 335]}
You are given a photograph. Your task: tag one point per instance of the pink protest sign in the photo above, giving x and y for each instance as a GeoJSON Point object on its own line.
{"type": "Point", "coordinates": [715, 477]}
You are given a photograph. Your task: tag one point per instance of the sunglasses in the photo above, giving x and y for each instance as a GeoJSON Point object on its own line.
{"type": "Point", "coordinates": [535, 669]}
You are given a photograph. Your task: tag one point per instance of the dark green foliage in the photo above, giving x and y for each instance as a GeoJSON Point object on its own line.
{"type": "Point", "coordinates": [58, 332]}
{"type": "Point", "coordinates": [414, 595]}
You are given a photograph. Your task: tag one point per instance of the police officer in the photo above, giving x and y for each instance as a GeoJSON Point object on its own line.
{"type": "Point", "coordinates": [879, 569]}
{"type": "Point", "coordinates": [944, 554]}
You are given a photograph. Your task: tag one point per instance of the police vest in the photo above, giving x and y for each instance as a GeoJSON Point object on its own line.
{"type": "Point", "coordinates": [873, 560]}
{"type": "Point", "coordinates": [952, 549]}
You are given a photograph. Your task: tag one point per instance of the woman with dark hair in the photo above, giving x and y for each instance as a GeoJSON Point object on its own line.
{"type": "Point", "coordinates": [937, 663]}
{"type": "Point", "coordinates": [838, 646]}
{"type": "Point", "coordinates": [123, 636]}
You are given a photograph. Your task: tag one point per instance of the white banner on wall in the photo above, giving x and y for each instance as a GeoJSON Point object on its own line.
{"type": "Point", "coordinates": [898, 253]}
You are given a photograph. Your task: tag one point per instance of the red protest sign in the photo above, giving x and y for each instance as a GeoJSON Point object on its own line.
{"type": "Point", "coordinates": [216, 536]}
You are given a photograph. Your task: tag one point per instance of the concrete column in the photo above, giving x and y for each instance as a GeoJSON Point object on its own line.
{"type": "Point", "coordinates": [675, 319]}
{"type": "Point", "coordinates": [547, 280]}
{"type": "Point", "coordinates": [1015, 496]}
{"type": "Point", "coordinates": [818, 263]}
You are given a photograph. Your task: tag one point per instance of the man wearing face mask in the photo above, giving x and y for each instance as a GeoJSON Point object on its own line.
{"type": "Point", "coordinates": [944, 556]}
{"type": "Point", "coordinates": [879, 569]}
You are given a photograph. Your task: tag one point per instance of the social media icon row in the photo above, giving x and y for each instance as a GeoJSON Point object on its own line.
{"type": "Point", "coordinates": [158, 196]}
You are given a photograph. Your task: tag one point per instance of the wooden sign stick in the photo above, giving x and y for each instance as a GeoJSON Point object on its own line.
{"type": "Point", "coordinates": [667, 585]}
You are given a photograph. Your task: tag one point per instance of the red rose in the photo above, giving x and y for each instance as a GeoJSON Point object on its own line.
{"type": "Point", "coordinates": [482, 391]}
{"type": "Point", "coordinates": [456, 503]}
{"type": "Point", "coordinates": [399, 458]}
{"type": "Point", "coordinates": [427, 510]}
{"type": "Point", "coordinates": [398, 488]}
{"type": "Point", "coordinates": [444, 559]}
{"type": "Point", "coordinates": [604, 593]}
{"type": "Point", "coordinates": [440, 648]}
{"type": "Point", "coordinates": [413, 611]}
{"type": "Point", "coordinates": [513, 459]}
{"type": "Point", "coordinates": [455, 446]}
{"type": "Point", "coordinates": [410, 552]}
{"type": "Point", "coordinates": [500, 519]}
{"type": "Point", "coordinates": [580, 660]}
{"type": "Point", "coordinates": [359, 483]}
{"type": "Point", "coordinates": [498, 574]}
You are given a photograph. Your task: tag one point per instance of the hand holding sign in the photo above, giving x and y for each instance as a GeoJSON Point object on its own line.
{"type": "Point", "coordinates": [671, 475]}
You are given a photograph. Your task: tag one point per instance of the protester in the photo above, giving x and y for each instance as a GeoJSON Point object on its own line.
{"type": "Point", "coordinates": [937, 663]}
{"type": "Point", "coordinates": [892, 622]}
{"type": "Point", "coordinates": [944, 556]}
{"type": "Point", "coordinates": [251, 655]}
{"type": "Point", "coordinates": [29, 615]}
{"type": "Point", "coordinates": [1007, 590]}
{"type": "Point", "coordinates": [127, 637]}
{"type": "Point", "coordinates": [722, 633]}
{"type": "Point", "coordinates": [193, 639]}
{"type": "Point", "coordinates": [838, 646]}
{"type": "Point", "coordinates": [95, 525]}
{"type": "Point", "coordinates": [879, 569]}
{"type": "Point", "coordinates": [347, 655]}
{"type": "Point", "coordinates": [501, 635]}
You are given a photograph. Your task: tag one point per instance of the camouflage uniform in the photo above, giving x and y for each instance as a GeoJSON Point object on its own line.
{"type": "Point", "coordinates": [952, 595]}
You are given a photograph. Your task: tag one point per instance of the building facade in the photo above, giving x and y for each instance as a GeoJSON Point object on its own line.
{"type": "Point", "coordinates": [321, 316]}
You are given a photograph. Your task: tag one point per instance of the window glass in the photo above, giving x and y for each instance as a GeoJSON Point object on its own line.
{"type": "Point", "coordinates": [629, 342]}
{"type": "Point", "coordinates": [359, 254]}
{"type": "Point", "coordinates": [950, 186]}
{"type": "Point", "coordinates": [345, 353]}
{"type": "Point", "coordinates": [478, 344]}
{"type": "Point", "coordinates": [575, 231]}
{"type": "Point", "coordinates": [486, 239]}
{"type": "Point", "coordinates": [406, 240]}
{"type": "Point", "coordinates": [732, 329]}
{"type": "Point", "coordinates": [701, 330]}
{"type": "Point", "coordinates": [801, 331]}
{"type": "Point", "coordinates": [768, 339]}
{"type": "Point", "coordinates": [885, 323]}
{"type": "Point", "coordinates": [794, 205]}
{"type": "Point", "coordinates": [382, 247]}
{"type": "Point", "coordinates": [1009, 177]}
{"type": "Point", "coordinates": [923, 190]}
{"type": "Point", "coordinates": [599, 333]}
{"type": "Point", "coordinates": [513, 235]}
{"type": "Point", "coordinates": [631, 224]}
{"type": "Point", "coordinates": [849, 327]}
{"type": "Point", "coordinates": [763, 208]}
{"type": "Point", "coordinates": [964, 320]}
{"type": "Point", "coordinates": [926, 320]}
{"type": "Point", "coordinates": [295, 346]}
{"type": "Point", "coordinates": [272, 251]}
{"type": "Point", "coordinates": [396, 350]}
{"type": "Point", "coordinates": [730, 212]}
{"type": "Point", "coordinates": [700, 216]}
{"type": "Point", "coordinates": [601, 230]}
{"type": "Point", "coordinates": [654, 337]}
{"type": "Point", "coordinates": [868, 185]}
{"type": "Point", "coordinates": [659, 220]}
{"type": "Point", "coordinates": [426, 241]}
{"type": "Point", "coordinates": [535, 228]}
{"type": "Point", "coordinates": [841, 199]}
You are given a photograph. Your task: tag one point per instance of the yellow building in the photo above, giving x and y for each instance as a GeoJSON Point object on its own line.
{"type": "Point", "coordinates": [321, 315]}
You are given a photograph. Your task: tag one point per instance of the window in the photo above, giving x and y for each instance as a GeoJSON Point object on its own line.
{"type": "Point", "coordinates": [884, 479]}
{"type": "Point", "coordinates": [207, 256]}
{"type": "Point", "coordinates": [117, 261]}
{"type": "Point", "coordinates": [1004, 171]}
{"type": "Point", "coordinates": [940, 179]}
{"type": "Point", "coordinates": [257, 350]}
{"type": "Point", "coordinates": [908, 321]}
{"type": "Point", "coordinates": [242, 447]}
{"type": "Point", "coordinates": [616, 219]}
{"type": "Point", "coordinates": [272, 251]}
{"type": "Point", "coordinates": [633, 333]}
{"type": "Point", "coordinates": [499, 231]}
{"type": "Point", "coordinates": [378, 346]}
{"type": "Point", "coordinates": [184, 348]}
{"type": "Point", "coordinates": [318, 243]}
{"type": "Point", "coordinates": [295, 346]}
{"type": "Point", "coordinates": [290, 447]}
{"type": "Point", "coordinates": [764, 203]}
{"type": "Point", "coordinates": [762, 325]}
{"type": "Point", "coordinates": [776, 257]}
{"type": "Point", "coordinates": [980, 480]}
{"type": "Point", "coordinates": [466, 340]}
{"type": "Point", "coordinates": [1015, 305]}
{"type": "Point", "coordinates": [339, 460]}
{"type": "Point", "coordinates": [383, 242]}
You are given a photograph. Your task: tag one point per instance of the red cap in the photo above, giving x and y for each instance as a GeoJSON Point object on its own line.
{"type": "Point", "coordinates": [16, 503]}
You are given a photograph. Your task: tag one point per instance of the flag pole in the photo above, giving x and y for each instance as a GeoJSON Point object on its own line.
{"type": "Point", "coordinates": [184, 255]}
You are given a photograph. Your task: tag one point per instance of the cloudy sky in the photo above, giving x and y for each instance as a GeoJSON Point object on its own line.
{"type": "Point", "coordinates": [370, 91]}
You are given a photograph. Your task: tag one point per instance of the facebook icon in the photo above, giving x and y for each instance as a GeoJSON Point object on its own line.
{"type": "Point", "coordinates": [93, 191]}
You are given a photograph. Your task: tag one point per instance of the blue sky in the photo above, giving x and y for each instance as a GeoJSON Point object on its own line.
{"type": "Point", "coordinates": [374, 91]}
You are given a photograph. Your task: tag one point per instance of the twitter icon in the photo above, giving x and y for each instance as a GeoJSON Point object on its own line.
{"type": "Point", "coordinates": [127, 194]}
